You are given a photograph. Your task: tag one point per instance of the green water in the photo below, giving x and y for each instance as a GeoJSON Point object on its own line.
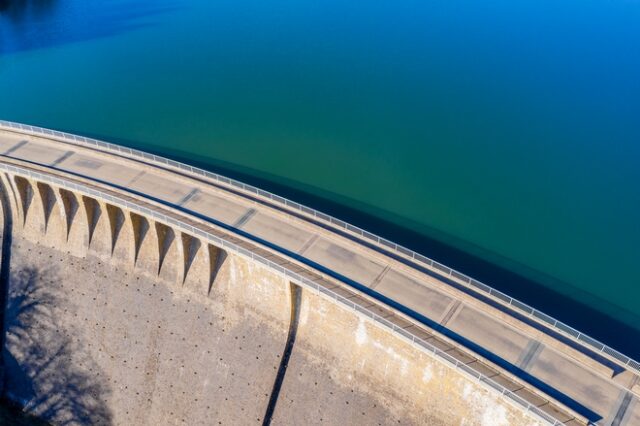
{"type": "Point", "coordinates": [502, 137]}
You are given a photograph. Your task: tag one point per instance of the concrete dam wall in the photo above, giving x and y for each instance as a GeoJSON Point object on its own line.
{"type": "Point", "coordinates": [113, 318]}
{"type": "Point", "coordinates": [138, 290]}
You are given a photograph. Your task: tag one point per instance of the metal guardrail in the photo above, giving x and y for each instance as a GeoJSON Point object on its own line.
{"type": "Point", "coordinates": [476, 285]}
{"type": "Point", "coordinates": [421, 344]}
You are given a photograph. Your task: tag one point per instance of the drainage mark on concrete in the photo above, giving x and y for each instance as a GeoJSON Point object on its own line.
{"type": "Point", "coordinates": [15, 147]}
{"type": "Point", "coordinates": [245, 218]}
{"type": "Point", "coordinates": [380, 277]}
{"type": "Point", "coordinates": [529, 354]}
{"type": "Point", "coordinates": [62, 158]}
{"type": "Point", "coordinates": [455, 307]}
{"type": "Point", "coordinates": [308, 244]}
{"type": "Point", "coordinates": [187, 197]}
{"type": "Point", "coordinates": [622, 409]}
{"type": "Point", "coordinates": [135, 178]}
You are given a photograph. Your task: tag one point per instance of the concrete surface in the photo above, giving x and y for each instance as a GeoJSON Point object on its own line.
{"type": "Point", "coordinates": [347, 371]}
{"type": "Point", "coordinates": [512, 344]}
{"type": "Point", "coordinates": [92, 343]}
{"type": "Point", "coordinates": [96, 343]}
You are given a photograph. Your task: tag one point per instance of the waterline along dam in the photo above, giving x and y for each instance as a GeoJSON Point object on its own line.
{"type": "Point", "coordinates": [142, 291]}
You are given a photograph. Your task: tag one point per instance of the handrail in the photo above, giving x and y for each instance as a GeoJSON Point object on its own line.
{"type": "Point", "coordinates": [526, 310]}
{"type": "Point", "coordinates": [419, 343]}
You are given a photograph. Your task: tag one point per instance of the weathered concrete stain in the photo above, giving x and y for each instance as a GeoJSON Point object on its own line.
{"type": "Point", "coordinates": [345, 369]}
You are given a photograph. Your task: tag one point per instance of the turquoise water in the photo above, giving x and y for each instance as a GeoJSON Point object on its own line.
{"type": "Point", "coordinates": [501, 138]}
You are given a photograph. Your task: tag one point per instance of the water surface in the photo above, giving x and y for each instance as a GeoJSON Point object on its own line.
{"type": "Point", "coordinates": [501, 138]}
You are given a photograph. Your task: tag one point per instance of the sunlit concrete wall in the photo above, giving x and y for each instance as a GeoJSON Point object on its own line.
{"type": "Point", "coordinates": [113, 318]}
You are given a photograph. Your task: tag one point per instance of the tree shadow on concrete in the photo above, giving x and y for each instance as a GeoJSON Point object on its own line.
{"type": "Point", "coordinates": [47, 370]}
{"type": "Point", "coordinates": [12, 415]}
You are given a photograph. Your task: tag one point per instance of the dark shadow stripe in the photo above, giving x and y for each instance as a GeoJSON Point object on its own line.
{"type": "Point", "coordinates": [296, 293]}
{"type": "Point", "coordinates": [15, 147]}
{"type": "Point", "coordinates": [622, 410]}
{"type": "Point", "coordinates": [61, 159]}
{"type": "Point", "coordinates": [5, 264]}
{"type": "Point", "coordinates": [245, 218]}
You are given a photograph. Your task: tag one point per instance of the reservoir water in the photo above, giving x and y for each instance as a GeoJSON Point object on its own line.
{"type": "Point", "coordinates": [501, 138]}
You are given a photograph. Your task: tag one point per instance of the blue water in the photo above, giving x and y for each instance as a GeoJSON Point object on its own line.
{"type": "Point", "coordinates": [501, 138]}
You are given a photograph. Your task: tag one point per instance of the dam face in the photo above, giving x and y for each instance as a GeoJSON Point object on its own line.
{"type": "Point", "coordinates": [138, 290]}
{"type": "Point", "coordinates": [99, 330]}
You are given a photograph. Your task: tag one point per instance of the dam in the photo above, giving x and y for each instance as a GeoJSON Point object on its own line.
{"type": "Point", "coordinates": [139, 290]}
